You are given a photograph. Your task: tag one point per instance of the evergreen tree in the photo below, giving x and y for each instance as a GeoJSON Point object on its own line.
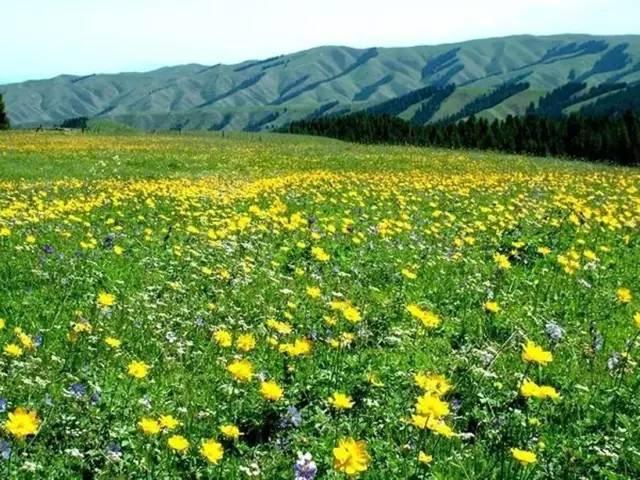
{"type": "Point", "coordinates": [633, 128]}
{"type": "Point", "coordinates": [4, 120]}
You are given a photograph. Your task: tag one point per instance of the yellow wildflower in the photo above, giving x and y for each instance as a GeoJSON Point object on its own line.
{"type": "Point", "coordinates": [351, 457]}
{"type": "Point", "coordinates": [532, 353]}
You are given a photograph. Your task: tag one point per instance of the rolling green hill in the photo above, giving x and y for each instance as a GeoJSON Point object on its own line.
{"type": "Point", "coordinates": [264, 94]}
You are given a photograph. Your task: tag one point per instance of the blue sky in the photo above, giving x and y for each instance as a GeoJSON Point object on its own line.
{"type": "Point", "coordinates": [47, 38]}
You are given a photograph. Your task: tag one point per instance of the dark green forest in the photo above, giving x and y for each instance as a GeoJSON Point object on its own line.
{"type": "Point", "coordinates": [614, 139]}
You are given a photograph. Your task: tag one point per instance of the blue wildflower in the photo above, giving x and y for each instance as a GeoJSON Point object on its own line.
{"type": "Point", "coordinates": [305, 468]}
{"type": "Point", "coordinates": [77, 391]}
{"type": "Point", "coordinates": [5, 450]}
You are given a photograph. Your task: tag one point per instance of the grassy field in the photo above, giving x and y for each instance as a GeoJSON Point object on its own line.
{"type": "Point", "coordinates": [208, 307]}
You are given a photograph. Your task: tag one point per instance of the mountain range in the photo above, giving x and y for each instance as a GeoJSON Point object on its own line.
{"type": "Point", "coordinates": [491, 78]}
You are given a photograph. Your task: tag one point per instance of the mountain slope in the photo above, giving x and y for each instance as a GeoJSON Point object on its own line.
{"type": "Point", "coordinates": [267, 93]}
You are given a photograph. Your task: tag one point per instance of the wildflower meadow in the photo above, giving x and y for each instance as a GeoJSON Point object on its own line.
{"type": "Point", "coordinates": [280, 307]}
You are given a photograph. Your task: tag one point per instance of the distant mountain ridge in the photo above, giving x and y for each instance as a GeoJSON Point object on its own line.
{"type": "Point", "coordinates": [491, 78]}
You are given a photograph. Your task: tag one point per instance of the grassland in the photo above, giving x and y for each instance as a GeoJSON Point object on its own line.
{"type": "Point", "coordinates": [393, 312]}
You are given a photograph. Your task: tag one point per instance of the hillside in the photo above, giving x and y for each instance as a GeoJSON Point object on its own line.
{"type": "Point", "coordinates": [262, 94]}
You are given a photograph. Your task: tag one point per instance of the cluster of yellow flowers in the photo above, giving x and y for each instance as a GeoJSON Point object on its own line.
{"type": "Point", "coordinates": [430, 408]}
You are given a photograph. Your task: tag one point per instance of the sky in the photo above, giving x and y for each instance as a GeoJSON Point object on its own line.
{"type": "Point", "coordinates": [45, 38]}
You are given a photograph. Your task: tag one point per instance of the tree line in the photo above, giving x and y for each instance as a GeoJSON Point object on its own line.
{"type": "Point", "coordinates": [615, 139]}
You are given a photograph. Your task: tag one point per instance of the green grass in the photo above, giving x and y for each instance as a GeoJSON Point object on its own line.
{"type": "Point", "coordinates": [106, 126]}
{"type": "Point", "coordinates": [197, 234]}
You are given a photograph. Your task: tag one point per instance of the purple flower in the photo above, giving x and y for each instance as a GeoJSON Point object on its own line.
{"type": "Point", "coordinates": [305, 468]}
{"type": "Point", "coordinates": [3, 405]}
{"type": "Point", "coordinates": [291, 418]}
{"type": "Point", "coordinates": [554, 331]}
{"type": "Point", "coordinates": [77, 391]}
{"type": "Point", "coordinates": [48, 249]}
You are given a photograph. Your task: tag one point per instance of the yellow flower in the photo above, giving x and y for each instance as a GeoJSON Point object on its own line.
{"type": "Point", "coordinates": [106, 300]}
{"type": "Point", "coordinates": [502, 261]}
{"type": "Point", "coordinates": [346, 339]}
{"type": "Point", "coordinates": [149, 426]}
{"type": "Point", "coordinates": [223, 338]}
{"type": "Point", "coordinates": [22, 423]}
{"type": "Point", "coordinates": [544, 251]}
{"type": "Point", "coordinates": [296, 349]}
{"type": "Point", "coordinates": [532, 389]}
{"type": "Point", "coordinates": [533, 353]}
{"type": "Point", "coordinates": [636, 319]}
{"type": "Point", "coordinates": [168, 422]}
{"type": "Point", "coordinates": [270, 390]}
{"type": "Point", "coordinates": [440, 428]}
{"type": "Point", "coordinates": [431, 383]}
{"type": "Point", "coordinates": [341, 401]}
{"type": "Point", "coordinates": [230, 431]}
{"type": "Point", "coordinates": [5, 232]}
{"type": "Point", "coordinates": [547, 391]}
{"type": "Point", "coordinates": [81, 327]}
{"type": "Point", "coordinates": [241, 370]}
{"type": "Point", "coordinates": [436, 426]}
{"type": "Point", "coordinates": [319, 254]}
{"type": "Point", "coordinates": [411, 275]}
{"type": "Point", "coordinates": [118, 250]}
{"type": "Point", "coordinates": [428, 319]}
{"type": "Point", "coordinates": [424, 458]}
{"type": "Point", "coordinates": [351, 457]}
{"type": "Point", "coordinates": [113, 342]}
{"type": "Point", "coordinates": [529, 389]}
{"type": "Point", "coordinates": [26, 341]}
{"type": "Point", "coordinates": [212, 451]}
{"type": "Point", "coordinates": [282, 328]}
{"type": "Point", "coordinates": [246, 342]}
{"type": "Point", "coordinates": [624, 295]}
{"type": "Point", "coordinates": [330, 320]}
{"type": "Point", "coordinates": [314, 292]}
{"type": "Point", "coordinates": [13, 350]}
{"type": "Point", "coordinates": [525, 457]}
{"type": "Point", "coordinates": [351, 314]}
{"type": "Point", "coordinates": [178, 443]}
{"type": "Point", "coordinates": [3, 323]}
{"type": "Point", "coordinates": [138, 369]}
{"type": "Point", "coordinates": [338, 304]}
{"type": "Point", "coordinates": [429, 405]}
{"type": "Point", "coordinates": [492, 306]}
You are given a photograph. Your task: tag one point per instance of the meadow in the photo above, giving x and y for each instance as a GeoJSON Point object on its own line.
{"type": "Point", "coordinates": [264, 306]}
